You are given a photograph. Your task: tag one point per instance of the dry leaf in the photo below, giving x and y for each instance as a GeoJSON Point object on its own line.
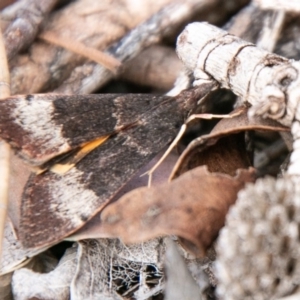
{"type": "Point", "coordinates": [224, 149]}
{"type": "Point", "coordinates": [107, 268]}
{"type": "Point", "coordinates": [90, 280]}
{"type": "Point", "coordinates": [27, 284]}
{"type": "Point", "coordinates": [193, 207]}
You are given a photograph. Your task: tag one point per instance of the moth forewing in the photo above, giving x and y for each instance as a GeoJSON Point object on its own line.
{"type": "Point", "coordinates": [43, 126]}
{"type": "Point", "coordinates": [137, 127]}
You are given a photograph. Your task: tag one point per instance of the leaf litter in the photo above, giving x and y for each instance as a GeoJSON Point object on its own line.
{"type": "Point", "coordinates": [123, 253]}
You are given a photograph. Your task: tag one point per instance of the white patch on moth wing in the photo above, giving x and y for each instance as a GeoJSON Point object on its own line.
{"type": "Point", "coordinates": [35, 117]}
{"type": "Point", "coordinates": [73, 201]}
{"type": "Point", "coordinates": [119, 104]}
{"type": "Point", "coordinates": [133, 143]}
{"type": "Point", "coordinates": [124, 113]}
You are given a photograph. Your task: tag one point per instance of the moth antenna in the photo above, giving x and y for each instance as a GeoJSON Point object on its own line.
{"type": "Point", "coordinates": [213, 116]}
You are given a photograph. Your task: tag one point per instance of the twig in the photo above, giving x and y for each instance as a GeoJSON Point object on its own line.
{"type": "Point", "coordinates": [99, 57]}
{"type": "Point", "coordinates": [4, 148]}
{"type": "Point", "coordinates": [90, 76]}
{"type": "Point", "coordinates": [271, 31]}
{"type": "Point", "coordinates": [45, 67]}
{"type": "Point", "coordinates": [267, 81]}
{"type": "Point", "coordinates": [22, 31]}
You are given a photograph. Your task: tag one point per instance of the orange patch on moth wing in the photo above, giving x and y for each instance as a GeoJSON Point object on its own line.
{"type": "Point", "coordinates": [86, 148]}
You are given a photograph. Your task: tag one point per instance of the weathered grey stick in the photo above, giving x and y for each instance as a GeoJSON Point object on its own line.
{"type": "Point", "coordinates": [271, 31]}
{"type": "Point", "coordinates": [22, 31]}
{"type": "Point", "coordinates": [45, 66]}
{"type": "Point", "coordinates": [90, 76]}
{"type": "Point", "coordinates": [270, 83]}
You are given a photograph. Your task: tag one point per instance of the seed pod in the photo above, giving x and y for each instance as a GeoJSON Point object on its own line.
{"type": "Point", "coordinates": [258, 253]}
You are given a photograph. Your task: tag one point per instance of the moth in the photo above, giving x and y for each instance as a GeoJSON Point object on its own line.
{"type": "Point", "coordinates": [84, 148]}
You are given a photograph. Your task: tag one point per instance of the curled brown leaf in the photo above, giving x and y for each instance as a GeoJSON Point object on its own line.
{"type": "Point", "coordinates": [224, 149]}
{"type": "Point", "coordinates": [193, 207]}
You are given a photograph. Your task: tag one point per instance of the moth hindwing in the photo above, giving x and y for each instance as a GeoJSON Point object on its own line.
{"type": "Point", "coordinates": [132, 129]}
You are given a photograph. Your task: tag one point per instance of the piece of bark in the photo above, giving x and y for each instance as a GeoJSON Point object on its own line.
{"type": "Point", "coordinates": [90, 76]}
{"type": "Point", "coordinates": [22, 31]}
{"type": "Point", "coordinates": [157, 67]}
{"type": "Point", "coordinates": [27, 284]}
{"type": "Point", "coordinates": [268, 82]}
{"type": "Point", "coordinates": [192, 206]}
{"type": "Point", "coordinates": [224, 149]}
{"type": "Point", "coordinates": [45, 66]}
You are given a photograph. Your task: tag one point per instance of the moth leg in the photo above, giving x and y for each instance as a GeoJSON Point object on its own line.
{"type": "Point", "coordinates": [170, 148]}
{"type": "Point", "coordinates": [212, 116]}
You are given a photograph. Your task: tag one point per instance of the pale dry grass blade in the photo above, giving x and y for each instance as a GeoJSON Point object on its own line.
{"type": "Point", "coordinates": [4, 148]}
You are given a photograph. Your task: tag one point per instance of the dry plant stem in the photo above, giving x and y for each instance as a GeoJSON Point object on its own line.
{"type": "Point", "coordinates": [98, 18]}
{"type": "Point", "coordinates": [268, 82]}
{"type": "Point", "coordinates": [99, 57]}
{"type": "Point", "coordinates": [291, 5]}
{"type": "Point", "coordinates": [90, 76]}
{"type": "Point", "coordinates": [22, 31]}
{"type": "Point", "coordinates": [4, 148]}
